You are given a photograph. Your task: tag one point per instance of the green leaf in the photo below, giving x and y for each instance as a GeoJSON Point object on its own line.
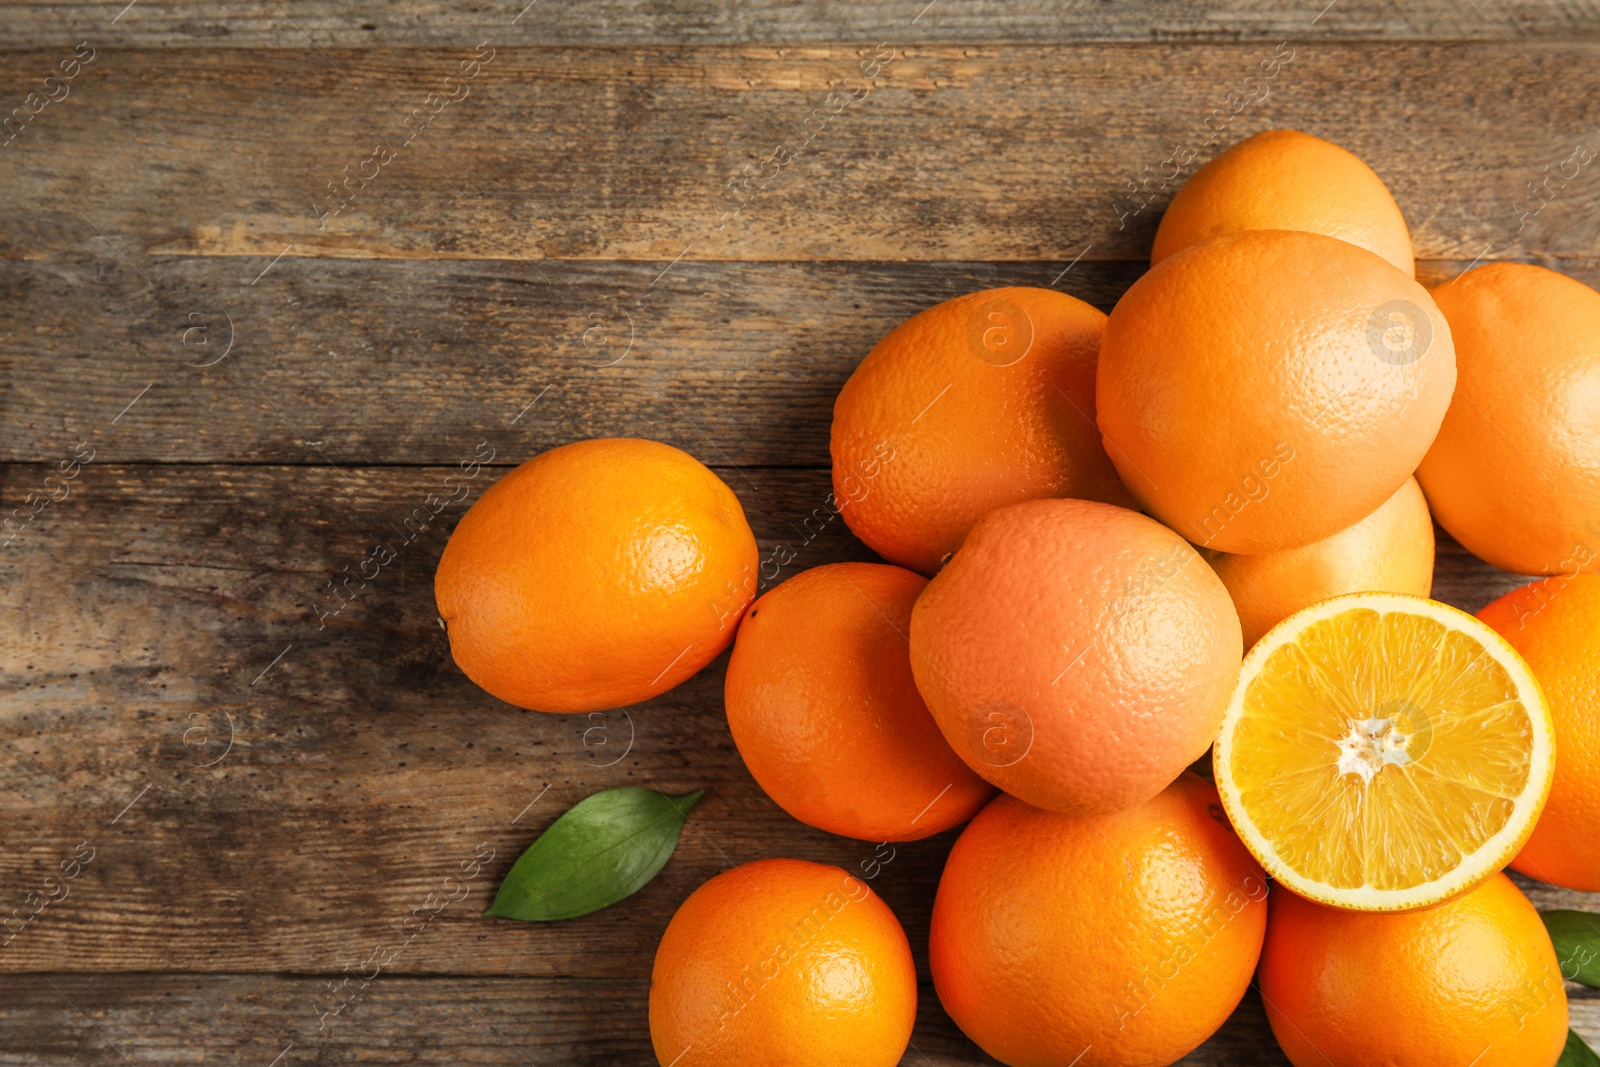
{"type": "Point", "coordinates": [1576, 936]}
{"type": "Point", "coordinates": [1577, 1054]}
{"type": "Point", "coordinates": [601, 851]}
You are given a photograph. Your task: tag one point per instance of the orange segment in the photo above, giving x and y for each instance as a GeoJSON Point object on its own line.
{"type": "Point", "coordinates": [1384, 752]}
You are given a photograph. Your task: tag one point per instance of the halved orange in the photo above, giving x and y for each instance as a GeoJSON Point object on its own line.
{"type": "Point", "coordinates": [1384, 752]}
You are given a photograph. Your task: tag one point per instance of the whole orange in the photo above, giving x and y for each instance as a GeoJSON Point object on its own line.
{"type": "Point", "coordinates": [1287, 180]}
{"type": "Point", "coordinates": [1266, 389]}
{"type": "Point", "coordinates": [1119, 941]}
{"type": "Point", "coordinates": [595, 575]}
{"type": "Point", "coordinates": [1471, 981]}
{"type": "Point", "coordinates": [782, 963]}
{"type": "Point", "coordinates": [1389, 551]}
{"type": "Point", "coordinates": [976, 403]}
{"type": "Point", "coordinates": [1515, 473]}
{"type": "Point", "coordinates": [1077, 655]}
{"type": "Point", "coordinates": [827, 716]}
{"type": "Point", "coordinates": [1555, 625]}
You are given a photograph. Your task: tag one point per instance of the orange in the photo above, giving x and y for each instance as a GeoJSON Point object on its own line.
{"type": "Point", "coordinates": [1473, 981]}
{"type": "Point", "coordinates": [827, 716]}
{"type": "Point", "coordinates": [1077, 655]}
{"type": "Point", "coordinates": [979, 402]}
{"type": "Point", "coordinates": [1120, 941]}
{"type": "Point", "coordinates": [1286, 180]}
{"type": "Point", "coordinates": [1555, 625]}
{"type": "Point", "coordinates": [782, 963]}
{"type": "Point", "coordinates": [1389, 551]}
{"type": "Point", "coordinates": [1515, 473]}
{"type": "Point", "coordinates": [595, 575]}
{"type": "Point", "coordinates": [1265, 389]}
{"type": "Point", "coordinates": [1384, 752]}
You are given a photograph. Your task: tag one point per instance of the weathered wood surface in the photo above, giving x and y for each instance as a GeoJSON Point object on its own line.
{"type": "Point", "coordinates": [360, 362]}
{"type": "Point", "coordinates": [976, 153]}
{"type": "Point", "coordinates": [367, 361]}
{"type": "Point", "coordinates": [83, 1019]}
{"type": "Point", "coordinates": [146, 614]}
{"type": "Point", "coordinates": [299, 24]}
{"type": "Point", "coordinates": [250, 1019]}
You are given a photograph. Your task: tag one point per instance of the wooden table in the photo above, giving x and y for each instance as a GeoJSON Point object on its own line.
{"type": "Point", "coordinates": [263, 346]}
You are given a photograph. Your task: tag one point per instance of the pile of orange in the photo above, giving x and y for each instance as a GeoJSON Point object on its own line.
{"type": "Point", "coordinates": [1204, 522]}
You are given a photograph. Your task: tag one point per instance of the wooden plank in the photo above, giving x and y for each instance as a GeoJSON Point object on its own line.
{"type": "Point", "coordinates": [360, 361]}
{"type": "Point", "coordinates": [415, 362]}
{"type": "Point", "coordinates": [670, 154]}
{"type": "Point", "coordinates": [92, 1020]}
{"type": "Point", "coordinates": [159, 612]}
{"type": "Point", "coordinates": [328, 24]}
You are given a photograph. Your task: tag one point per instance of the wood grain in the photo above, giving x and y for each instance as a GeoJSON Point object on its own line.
{"type": "Point", "coordinates": [57, 1019]}
{"type": "Point", "coordinates": [362, 362]}
{"type": "Point", "coordinates": [159, 611]}
{"type": "Point", "coordinates": [329, 24]}
{"type": "Point", "coordinates": [974, 153]}
{"type": "Point", "coordinates": [415, 362]}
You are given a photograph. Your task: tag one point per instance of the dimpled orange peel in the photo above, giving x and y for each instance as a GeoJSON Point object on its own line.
{"type": "Point", "coordinates": [825, 711]}
{"type": "Point", "coordinates": [1515, 472]}
{"type": "Point", "coordinates": [1555, 625]}
{"type": "Point", "coordinates": [1286, 180]}
{"type": "Point", "coordinates": [1266, 389]}
{"type": "Point", "coordinates": [595, 575]}
{"type": "Point", "coordinates": [1473, 981]}
{"type": "Point", "coordinates": [981, 401]}
{"type": "Point", "coordinates": [1116, 941]}
{"type": "Point", "coordinates": [1077, 655]}
{"type": "Point", "coordinates": [779, 963]}
{"type": "Point", "coordinates": [1389, 551]}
